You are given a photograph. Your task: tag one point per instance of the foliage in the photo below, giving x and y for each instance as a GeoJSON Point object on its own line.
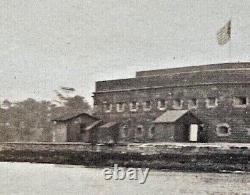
{"type": "Point", "coordinates": [30, 120]}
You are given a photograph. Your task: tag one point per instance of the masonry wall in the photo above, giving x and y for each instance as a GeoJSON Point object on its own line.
{"type": "Point", "coordinates": [238, 118]}
{"type": "Point", "coordinates": [173, 80]}
{"type": "Point", "coordinates": [192, 69]}
{"type": "Point", "coordinates": [175, 156]}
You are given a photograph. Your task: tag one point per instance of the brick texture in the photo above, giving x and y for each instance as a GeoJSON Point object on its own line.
{"type": "Point", "coordinates": [223, 82]}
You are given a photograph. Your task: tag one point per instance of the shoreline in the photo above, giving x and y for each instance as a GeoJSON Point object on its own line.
{"type": "Point", "coordinates": [213, 157]}
{"type": "Point", "coordinates": [153, 170]}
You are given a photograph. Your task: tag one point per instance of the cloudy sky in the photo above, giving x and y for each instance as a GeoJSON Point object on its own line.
{"type": "Point", "coordinates": [46, 44]}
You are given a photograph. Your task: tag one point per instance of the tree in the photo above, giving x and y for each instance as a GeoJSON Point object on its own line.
{"type": "Point", "coordinates": [67, 99]}
{"type": "Point", "coordinates": [30, 120]}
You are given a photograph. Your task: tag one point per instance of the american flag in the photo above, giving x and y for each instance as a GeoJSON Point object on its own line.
{"type": "Point", "coordinates": [224, 34]}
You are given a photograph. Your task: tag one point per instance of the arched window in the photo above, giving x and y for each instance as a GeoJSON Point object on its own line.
{"type": "Point", "coordinates": [107, 107]}
{"type": "Point", "coordinates": [152, 131]}
{"type": "Point", "coordinates": [240, 101]}
{"type": "Point", "coordinates": [124, 131]}
{"type": "Point", "coordinates": [162, 104]}
{"type": "Point", "coordinates": [211, 102]}
{"type": "Point", "coordinates": [192, 103]}
{"type": "Point", "coordinates": [120, 106]}
{"type": "Point", "coordinates": [82, 128]}
{"type": "Point", "coordinates": [139, 130]}
{"type": "Point", "coordinates": [223, 129]}
{"type": "Point", "coordinates": [134, 106]}
{"type": "Point", "coordinates": [147, 105]}
{"type": "Point", "coordinates": [177, 103]}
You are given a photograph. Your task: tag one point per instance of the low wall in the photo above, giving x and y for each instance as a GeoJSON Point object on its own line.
{"type": "Point", "coordinates": [175, 156]}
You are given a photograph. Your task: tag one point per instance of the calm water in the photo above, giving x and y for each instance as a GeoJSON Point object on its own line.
{"type": "Point", "coordinates": [26, 179]}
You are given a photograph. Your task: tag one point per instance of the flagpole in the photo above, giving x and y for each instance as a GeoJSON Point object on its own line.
{"type": "Point", "coordinates": [230, 42]}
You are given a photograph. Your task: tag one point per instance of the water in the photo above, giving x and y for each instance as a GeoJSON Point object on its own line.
{"type": "Point", "coordinates": [46, 179]}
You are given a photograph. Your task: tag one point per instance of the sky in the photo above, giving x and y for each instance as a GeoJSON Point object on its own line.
{"type": "Point", "coordinates": [46, 44]}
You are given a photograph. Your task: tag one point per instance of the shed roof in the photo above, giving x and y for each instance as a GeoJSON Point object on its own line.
{"type": "Point", "coordinates": [93, 125]}
{"type": "Point", "coordinates": [170, 116]}
{"type": "Point", "coordinates": [108, 125]}
{"type": "Point", "coordinates": [71, 115]}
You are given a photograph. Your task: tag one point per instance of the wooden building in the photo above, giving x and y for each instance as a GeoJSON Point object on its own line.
{"type": "Point", "coordinates": [177, 126]}
{"type": "Point", "coordinates": [75, 127]}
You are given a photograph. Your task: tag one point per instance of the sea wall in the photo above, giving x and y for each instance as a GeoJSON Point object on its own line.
{"type": "Point", "coordinates": [174, 156]}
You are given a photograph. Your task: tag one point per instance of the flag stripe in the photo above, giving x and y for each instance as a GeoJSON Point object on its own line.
{"type": "Point", "coordinates": [224, 34]}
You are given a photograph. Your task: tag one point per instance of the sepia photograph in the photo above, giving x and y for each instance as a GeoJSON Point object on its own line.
{"type": "Point", "coordinates": [127, 97]}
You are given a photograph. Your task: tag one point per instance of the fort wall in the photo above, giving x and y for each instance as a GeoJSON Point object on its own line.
{"type": "Point", "coordinates": [223, 82]}
{"type": "Point", "coordinates": [194, 157]}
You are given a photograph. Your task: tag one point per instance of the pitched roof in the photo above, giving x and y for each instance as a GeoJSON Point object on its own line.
{"type": "Point", "coordinates": [71, 115]}
{"type": "Point", "coordinates": [170, 116]}
{"type": "Point", "coordinates": [93, 125]}
{"type": "Point", "coordinates": [108, 125]}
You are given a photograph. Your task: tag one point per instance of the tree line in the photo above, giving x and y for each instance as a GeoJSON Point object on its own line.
{"type": "Point", "coordinates": [31, 120]}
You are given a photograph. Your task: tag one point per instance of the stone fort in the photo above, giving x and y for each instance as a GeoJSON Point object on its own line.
{"type": "Point", "coordinates": [215, 96]}
{"type": "Point", "coordinates": [208, 103]}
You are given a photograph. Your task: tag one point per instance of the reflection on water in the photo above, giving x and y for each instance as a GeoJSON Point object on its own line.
{"type": "Point", "coordinates": [26, 179]}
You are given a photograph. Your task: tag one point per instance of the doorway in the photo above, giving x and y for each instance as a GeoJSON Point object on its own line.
{"type": "Point", "coordinates": [193, 132]}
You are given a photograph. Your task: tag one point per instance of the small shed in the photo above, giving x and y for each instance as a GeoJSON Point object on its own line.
{"type": "Point", "coordinates": [74, 127]}
{"type": "Point", "coordinates": [177, 126]}
{"type": "Point", "coordinates": [108, 133]}
{"type": "Point", "coordinates": [90, 135]}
